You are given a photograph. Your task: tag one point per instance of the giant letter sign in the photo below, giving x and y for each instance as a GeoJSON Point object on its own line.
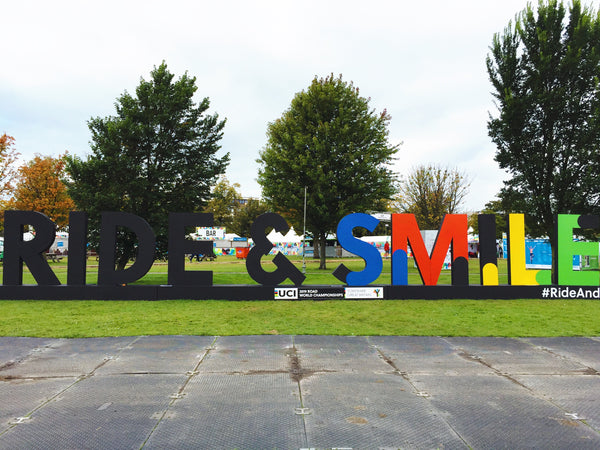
{"type": "Point", "coordinates": [405, 236]}
{"type": "Point", "coordinates": [452, 232]}
{"type": "Point", "coordinates": [372, 257]}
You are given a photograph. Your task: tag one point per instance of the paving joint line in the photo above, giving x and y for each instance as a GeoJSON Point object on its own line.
{"type": "Point", "coordinates": [297, 377]}
{"type": "Point", "coordinates": [78, 380]}
{"type": "Point", "coordinates": [179, 394]}
{"type": "Point", "coordinates": [478, 359]}
{"type": "Point", "coordinates": [405, 376]}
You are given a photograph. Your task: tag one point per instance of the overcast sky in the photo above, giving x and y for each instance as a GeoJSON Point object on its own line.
{"type": "Point", "coordinates": [64, 62]}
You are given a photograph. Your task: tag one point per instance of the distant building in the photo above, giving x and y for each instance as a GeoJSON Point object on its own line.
{"type": "Point", "coordinates": [244, 200]}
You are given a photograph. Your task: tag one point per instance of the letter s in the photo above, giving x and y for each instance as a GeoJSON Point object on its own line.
{"type": "Point", "coordinates": [372, 257]}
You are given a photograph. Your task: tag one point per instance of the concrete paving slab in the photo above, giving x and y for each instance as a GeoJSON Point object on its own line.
{"type": "Point", "coordinates": [338, 354]}
{"type": "Point", "coordinates": [227, 411]}
{"type": "Point", "coordinates": [158, 354]}
{"type": "Point", "coordinates": [368, 410]}
{"type": "Point", "coordinates": [242, 354]}
{"type": "Point", "coordinates": [13, 349]}
{"type": "Point", "coordinates": [490, 411]}
{"type": "Point", "coordinates": [515, 356]}
{"type": "Point", "coordinates": [577, 396]}
{"type": "Point", "coordinates": [117, 411]}
{"type": "Point", "coordinates": [584, 350]}
{"type": "Point", "coordinates": [67, 357]}
{"type": "Point", "coordinates": [299, 392]}
{"type": "Point", "coordinates": [20, 397]}
{"type": "Point", "coordinates": [425, 354]}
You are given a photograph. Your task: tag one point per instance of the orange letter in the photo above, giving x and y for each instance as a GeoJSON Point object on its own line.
{"type": "Point", "coordinates": [452, 232]}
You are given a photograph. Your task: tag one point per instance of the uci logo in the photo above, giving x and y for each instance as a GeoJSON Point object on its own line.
{"type": "Point", "coordinates": [288, 293]}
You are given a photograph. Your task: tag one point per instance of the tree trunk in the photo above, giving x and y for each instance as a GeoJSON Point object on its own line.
{"type": "Point", "coordinates": [316, 244]}
{"type": "Point", "coordinates": [323, 245]}
{"type": "Point", "coordinates": [122, 262]}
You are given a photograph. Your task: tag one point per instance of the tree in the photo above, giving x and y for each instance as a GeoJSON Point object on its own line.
{"type": "Point", "coordinates": [492, 207]}
{"type": "Point", "coordinates": [245, 215]}
{"type": "Point", "coordinates": [225, 202]}
{"type": "Point", "coordinates": [8, 157]}
{"type": "Point", "coordinates": [430, 192]}
{"type": "Point", "coordinates": [8, 172]}
{"type": "Point", "coordinates": [157, 155]}
{"type": "Point", "coordinates": [545, 72]}
{"type": "Point", "coordinates": [330, 141]}
{"type": "Point", "coordinates": [39, 187]}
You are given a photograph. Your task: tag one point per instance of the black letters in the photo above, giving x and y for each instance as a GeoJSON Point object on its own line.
{"type": "Point", "coordinates": [179, 246]}
{"type": "Point", "coordinates": [262, 246]}
{"type": "Point", "coordinates": [77, 248]}
{"type": "Point", "coordinates": [107, 275]}
{"type": "Point", "coordinates": [17, 251]}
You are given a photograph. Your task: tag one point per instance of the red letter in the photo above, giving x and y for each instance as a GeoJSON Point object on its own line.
{"type": "Point", "coordinates": [452, 232]}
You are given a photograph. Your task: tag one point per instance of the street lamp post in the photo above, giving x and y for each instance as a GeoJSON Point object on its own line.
{"type": "Point", "coordinates": [304, 236]}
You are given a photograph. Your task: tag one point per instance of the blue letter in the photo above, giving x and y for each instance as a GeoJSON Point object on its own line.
{"type": "Point", "coordinates": [372, 257]}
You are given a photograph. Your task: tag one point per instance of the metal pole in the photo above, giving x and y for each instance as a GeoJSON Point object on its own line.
{"type": "Point", "coordinates": [304, 236]}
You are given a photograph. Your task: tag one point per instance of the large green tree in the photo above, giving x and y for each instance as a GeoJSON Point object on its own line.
{"type": "Point", "coordinates": [430, 192]}
{"type": "Point", "coordinates": [333, 143]}
{"type": "Point", "coordinates": [156, 155]}
{"type": "Point", "coordinates": [545, 71]}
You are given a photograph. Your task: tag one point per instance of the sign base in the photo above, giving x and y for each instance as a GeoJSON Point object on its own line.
{"type": "Point", "coordinates": [286, 292]}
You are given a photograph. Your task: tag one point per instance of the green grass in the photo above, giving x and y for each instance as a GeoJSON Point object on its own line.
{"type": "Point", "coordinates": [508, 318]}
{"type": "Point", "coordinates": [229, 270]}
{"type": "Point", "coordinates": [402, 317]}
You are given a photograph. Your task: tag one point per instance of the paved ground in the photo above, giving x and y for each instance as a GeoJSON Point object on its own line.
{"type": "Point", "coordinates": [293, 392]}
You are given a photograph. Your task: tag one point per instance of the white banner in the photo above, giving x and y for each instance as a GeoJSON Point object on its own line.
{"type": "Point", "coordinates": [364, 292]}
{"type": "Point", "coordinates": [210, 233]}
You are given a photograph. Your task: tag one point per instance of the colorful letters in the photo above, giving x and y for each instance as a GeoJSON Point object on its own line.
{"type": "Point", "coordinates": [452, 236]}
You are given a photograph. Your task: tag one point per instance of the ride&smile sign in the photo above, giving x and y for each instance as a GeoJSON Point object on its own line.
{"type": "Point", "coordinates": [286, 281]}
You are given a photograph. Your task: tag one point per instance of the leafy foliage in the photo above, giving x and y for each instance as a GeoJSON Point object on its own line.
{"type": "Point", "coordinates": [430, 192]}
{"type": "Point", "coordinates": [545, 72]}
{"type": "Point", "coordinates": [8, 172]}
{"type": "Point", "coordinates": [8, 157]}
{"type": "Point", "coordinates": [225, 203]}
{"type": "Point", "coordinates": [155, 156]}
{"type": "Point", "coordinates": [330, 141]}
{"type": "Point", "coordinates": [245, 215]}
{"type": "Point", "coordinates": [39, 187]}
{"type": "Point", "coordinates": [492, 207]}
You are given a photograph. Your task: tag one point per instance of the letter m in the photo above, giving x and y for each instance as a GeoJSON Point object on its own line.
{"type": "Point", "coordinates": [452, 234]}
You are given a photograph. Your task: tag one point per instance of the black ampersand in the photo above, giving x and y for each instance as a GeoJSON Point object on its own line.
{"type": "Point", "coordinates": [262, 246]}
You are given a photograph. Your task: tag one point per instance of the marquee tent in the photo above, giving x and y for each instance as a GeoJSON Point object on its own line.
{"type": "Point", "coordinates": [290, 238]}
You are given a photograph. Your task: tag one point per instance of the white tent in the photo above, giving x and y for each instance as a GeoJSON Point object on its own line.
{"type": "Point", "coordinates": [291, 237]}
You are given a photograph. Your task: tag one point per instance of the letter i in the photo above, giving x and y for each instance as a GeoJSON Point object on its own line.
{"type": "Point", "coordinates": [488, 262]}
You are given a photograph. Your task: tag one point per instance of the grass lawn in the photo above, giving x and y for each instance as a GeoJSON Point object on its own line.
{"type": "Point", "coordinates": [392, 317]}
{"type": "Point", "coordinates": [229, 270]}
